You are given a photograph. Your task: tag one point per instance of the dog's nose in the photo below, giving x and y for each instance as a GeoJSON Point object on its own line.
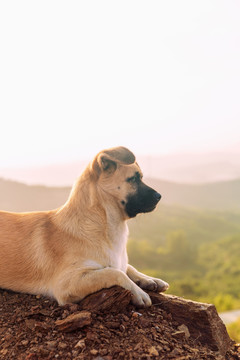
{"type": "Point", "coordinates": [158, 196]}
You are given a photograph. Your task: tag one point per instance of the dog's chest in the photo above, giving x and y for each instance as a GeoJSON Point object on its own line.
{"type": "Point", "coordinates": [117, 253]}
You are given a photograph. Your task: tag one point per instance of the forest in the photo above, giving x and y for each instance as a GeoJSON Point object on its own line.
{"type": "Point", "coordinates": [194, 250]}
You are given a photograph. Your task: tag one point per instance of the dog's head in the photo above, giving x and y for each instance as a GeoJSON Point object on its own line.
{"type": "Point", "coordinates": [117, 174]}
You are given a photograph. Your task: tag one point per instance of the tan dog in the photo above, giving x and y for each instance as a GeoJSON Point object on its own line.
{"type": "Point", "coordinates": [80, 248]}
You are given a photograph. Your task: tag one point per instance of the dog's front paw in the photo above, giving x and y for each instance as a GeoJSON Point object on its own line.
{"type": "Point", "coordinates": [140, 298]}
{"type": "Point", "coordinates": [154, 284]}
{"type": "Point", "coordinates": [161, 285]}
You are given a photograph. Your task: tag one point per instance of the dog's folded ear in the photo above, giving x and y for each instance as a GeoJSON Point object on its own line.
{"type": "Point", "coordinates": [106, 163]}
{"type": "Point", "coordinates": [107, 160]}
{"type": "Point", "coordinates": [121, 155]}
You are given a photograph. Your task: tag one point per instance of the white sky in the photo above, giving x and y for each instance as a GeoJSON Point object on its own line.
{"type": "Point", "coordinates": [80, 76]}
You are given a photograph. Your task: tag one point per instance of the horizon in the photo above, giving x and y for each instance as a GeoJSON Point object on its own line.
{"type": "Point", "coordinates": [185, 168]}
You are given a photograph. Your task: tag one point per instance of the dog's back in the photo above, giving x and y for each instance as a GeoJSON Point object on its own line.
{"type": "Point", "coordinates": [22, 254]}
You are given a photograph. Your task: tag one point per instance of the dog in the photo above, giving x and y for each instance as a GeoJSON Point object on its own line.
{"type": "Point", "coordinates": [80, 248]}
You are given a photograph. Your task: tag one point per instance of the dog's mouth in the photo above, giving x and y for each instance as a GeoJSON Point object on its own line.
{"type": "Point", "coordinates": [134, 208]}
{"type": "Point", "coordinates": [150, 208]}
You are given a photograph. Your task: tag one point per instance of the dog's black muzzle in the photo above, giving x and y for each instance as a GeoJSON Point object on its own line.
{"type": "Point", "coordinates": [144, 200]}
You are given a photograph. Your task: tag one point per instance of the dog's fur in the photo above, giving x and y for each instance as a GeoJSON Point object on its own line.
{"type": "Point", "coordinates": [80, 248]}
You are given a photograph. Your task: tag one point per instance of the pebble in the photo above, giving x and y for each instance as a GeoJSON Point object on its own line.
{"type": "Point", "coordinates": [153, 351]}
{"type": "Point", "coordinates": [80, 344]}
{"type": "Point", "coordinates": [24, 342]}
{"type": "Point", "coordinates": [93, 352]}
{"type": "Point", "coordinates": [122, 327]}
{"type": "Point", "coordinates": [51, 345]}
{"type": "Point", "coordinates": [125, 317]}
{"type": "Point", "coordinates": [136, 314]}
{"type": "Point", "coordinates": [103, 352]}
{"type": "Point", "coordinates": [184, 328]}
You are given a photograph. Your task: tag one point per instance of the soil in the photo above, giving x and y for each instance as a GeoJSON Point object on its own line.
{"type": "Point", "coordinates": [29, 330]}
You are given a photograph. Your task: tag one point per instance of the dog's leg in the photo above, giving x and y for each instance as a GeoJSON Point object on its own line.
{"type": "Point", "coordinates": [74, 285]}
{"type": "Point", "coordinates": [146, 282]}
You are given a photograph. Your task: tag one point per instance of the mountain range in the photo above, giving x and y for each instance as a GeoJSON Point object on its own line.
{"type": "Point", "coordinates": [179, 168]}
{"type": "Point", "coordinates": [225, 195]}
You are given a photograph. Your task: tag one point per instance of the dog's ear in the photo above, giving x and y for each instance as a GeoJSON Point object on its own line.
{"type": "Point", "coordinates": [106, 163]}
{"type": "Point", "coordinates": [121, 155]}
{"type": "Point", "coordinates": [103, 163]}
{"type": "Point", "coordinates": [107, 160]}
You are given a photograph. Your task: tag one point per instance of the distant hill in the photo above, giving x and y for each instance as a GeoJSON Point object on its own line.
{"type": "Point", "coordinates": [16, 196]}
{"type": "Point", "coordinates": [179, 168]}
{"type": "Point", "coordinates": [221, 196]}
{"type": "Point", "coordinates": [214, 196]}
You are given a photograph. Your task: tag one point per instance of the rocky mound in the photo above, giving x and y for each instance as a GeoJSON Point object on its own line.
{"type": "Point", "coordinates": [105, 326]}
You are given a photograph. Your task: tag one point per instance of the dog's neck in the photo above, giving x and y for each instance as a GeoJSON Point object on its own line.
{"type": "Point", "coordinates": [88, 207]}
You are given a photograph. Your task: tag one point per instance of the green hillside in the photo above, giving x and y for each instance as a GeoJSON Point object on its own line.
{"type": "Point", "coordinates": [196, 251]}
{"type": "Point", "coordinates": [198, 225]}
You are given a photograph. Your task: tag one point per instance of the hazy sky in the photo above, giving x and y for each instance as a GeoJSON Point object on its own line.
{"type": "Point", "coordinates": [79, 76]}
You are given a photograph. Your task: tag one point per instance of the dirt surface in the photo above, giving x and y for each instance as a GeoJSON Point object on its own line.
{"type": "Point", "coordinates": [31, 329]}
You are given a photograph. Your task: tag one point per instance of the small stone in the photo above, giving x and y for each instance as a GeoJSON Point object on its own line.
{"type": "Point", "coordinates": [8, 336]}
{"type": "Point", "coordinates": [74, 321]}
{"type": "Point", "coordinates": [93, 352]}
{"type": "Point", "coordinates": [80, 344]}
{"type": "Point", "coordinates": [103, 352]}
{"type": "Point", "coordinates": [179, 334]}
{"type": "Point", "coordinates": [51, 345]}
{"type": "Point", "coordinates": [125, 317]}
{"type": "Point", "coordinates": [62, 345]}
{"type": "Point", "coordinates": [24, 342]}
{"type": "Point", "coordinates": [152, 314]}
{"type": "Point", "coordinates": [122, 328]}
{"type": "Point", "coordinates": [184, 328]}
{"type": "Point", "coordinates": [4, 351]}
{"type": "Point", "coordinates": [153, 351]}
{"type": "Point", "coordinates": [136, 314]}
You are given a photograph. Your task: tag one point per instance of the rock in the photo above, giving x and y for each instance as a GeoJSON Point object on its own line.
{"type": "Point", "coordinates": [173, 328]}
{"type": "Point", "coordinates": [153, 351]}
{"type": "Point", "coordinates": [184, 328]}
{"type": "Point", "coordinates": [202, 320]}
{"type": "Point", "coordinates": [94, 352]}
{"type": "Point", "coordinates": [51, 345]}
{"type": "Point", "coordinates": [24, 342]}
{"type": "Point", "coordinates": [81, 344]}
{"type": "Point", "coordinates": [178, 334]}
{"type": "Point", "coordinates": [62, 345]}
{"type": "Point", "coordinates": [115, 298]}
{"type": "Point", "coordinates": [74, 321]}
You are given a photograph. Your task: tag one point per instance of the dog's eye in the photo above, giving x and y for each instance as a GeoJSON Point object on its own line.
{"type": "Point", "coordinates": [132, 180]}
